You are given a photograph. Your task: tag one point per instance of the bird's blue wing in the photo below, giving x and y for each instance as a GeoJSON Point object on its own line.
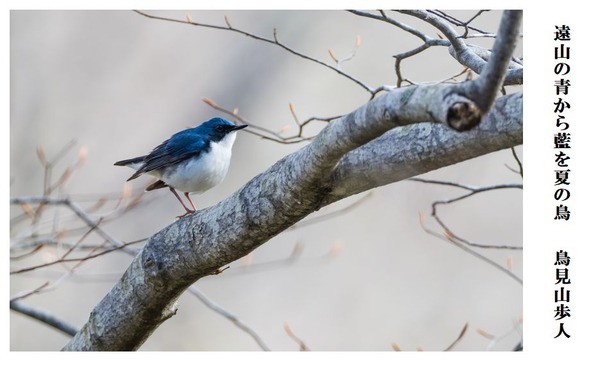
{"type": "Point", "coordinates": [180, 147]}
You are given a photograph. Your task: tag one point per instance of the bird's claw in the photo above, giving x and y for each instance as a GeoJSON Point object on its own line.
{"type": "Point", "coordinates": [187, 212]}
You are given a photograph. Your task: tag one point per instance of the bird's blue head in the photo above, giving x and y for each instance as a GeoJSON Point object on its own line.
{"type": "Point", "coordinates": [218, 127]}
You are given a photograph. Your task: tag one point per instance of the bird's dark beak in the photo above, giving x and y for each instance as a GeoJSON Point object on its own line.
{"type": "Point", "coordinates": [238, 127]}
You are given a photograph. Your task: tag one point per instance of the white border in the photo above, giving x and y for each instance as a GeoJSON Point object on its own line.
{"type": "Point", "coordinates": [544, 362]}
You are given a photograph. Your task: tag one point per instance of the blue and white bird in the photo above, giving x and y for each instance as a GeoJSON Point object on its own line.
{"type": "Point", "coordinates": [192, 160]}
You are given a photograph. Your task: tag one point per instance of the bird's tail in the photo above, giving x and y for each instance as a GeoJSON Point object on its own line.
{"type": "Point", "coordinates": [132, 162]}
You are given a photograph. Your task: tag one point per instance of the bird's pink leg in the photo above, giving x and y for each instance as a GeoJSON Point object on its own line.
{"type": "Point", "coordinates": [187, 195]}
{"type": "Point", "coordinates": [187, 211]}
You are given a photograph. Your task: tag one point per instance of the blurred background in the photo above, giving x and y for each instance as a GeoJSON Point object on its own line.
{"type": "Point", "coordinates": [114, 84]}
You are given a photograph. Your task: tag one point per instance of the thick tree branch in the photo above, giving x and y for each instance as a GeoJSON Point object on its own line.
{"type": "Point", "coordinates": [291, 189]}
{"type": "Point", "coordinates": [493, 75]}
{"type": "Point", "coordinates": [415, 149]}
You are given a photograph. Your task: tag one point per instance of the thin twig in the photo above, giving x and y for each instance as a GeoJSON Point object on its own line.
{"type": "Point", "coordinates": [382, 17]}
{"type": "Point", "coordinates": [43, 200]}
{"type": "Point", "coordinates": [486, 259]}
{"type": "Point", "coordinates": [468, 55]}
{"type": "Point", "coordinates": [472, 191]}
{"type": "Point", "coordinates": [460, 336]}
{"type": "Point", "coordinates": [449, 238]}
{"type": "Point", "coordinates": [36, 247]}
{"type": "Point", "coordinates": [427, 40]}
{"type": "Point", "coordinates": [44, 317]}
{"type": "Point", "coordinates": [252, 267]}
{"type": "Point", "coordinates": [457, 22]}
{"type": "Point", "coordinates": [271, 135]}
{"type": "Point", "coordinates": [274, 41]}
{"type": "Point", "coordinates": [301, 344]}
{"type": "Point", "coordinates": [49, 165]}
{"type": "Point", "coordinates": [80, 240]}
{"type": "Point", "coordinates": [231, 317]}
{"type": "Point", "coordinates": [89, 257]}
{"type": "Point", "coordinates": [344, 210]}
{"type": "Point", "coordinates": [25, 294]}
{"type": "Point", "coordinates": [340, 61]}
{"type": "Point", "coordinates": [514, 153]}
{"type": "Point", "coordinates": [41, 242]}
{"type": "Point", "coordinates": [495, 339]}
{"type": "Point", "coordinates": [269, 265]}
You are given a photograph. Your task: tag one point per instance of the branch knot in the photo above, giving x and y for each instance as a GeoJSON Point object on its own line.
{"type": "Point", "coordinates": [463, 115]}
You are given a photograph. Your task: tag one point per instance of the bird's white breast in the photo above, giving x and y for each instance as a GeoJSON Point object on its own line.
{"type": "Point", "coordinates": [201, 173]}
